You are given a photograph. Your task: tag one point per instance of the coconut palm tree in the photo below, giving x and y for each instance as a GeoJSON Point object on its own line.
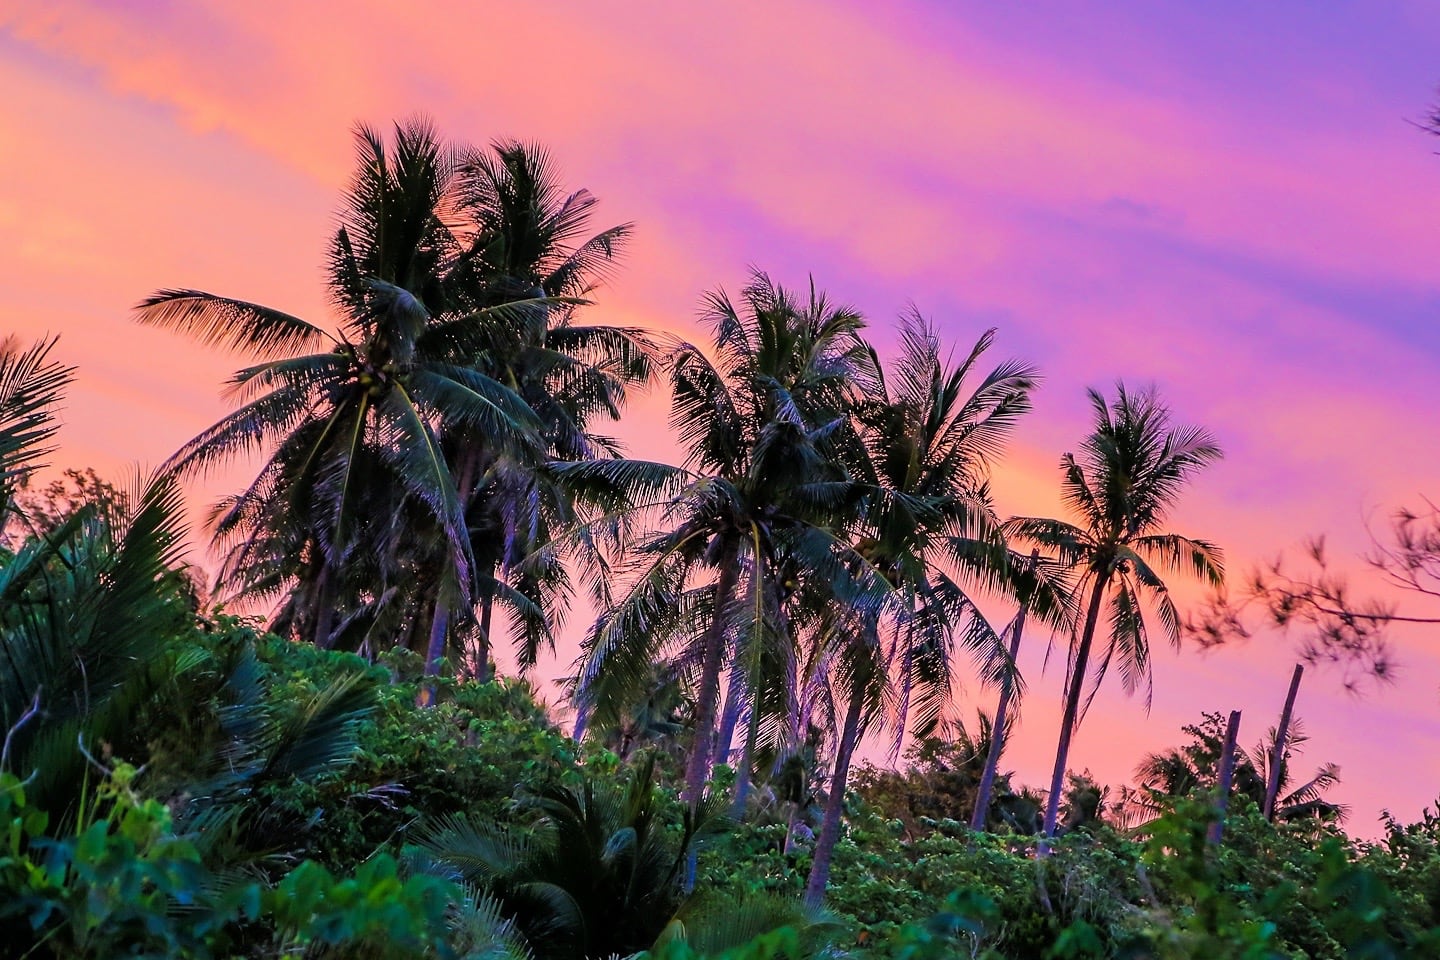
{"type": "Point", "coordinates": [748, 518]}
{"type": "Point", "coordinates": [526, 239]}
{"type": "Point", "coordinates": [1126, 479]}
{"type": "Point", "coordinates": [351, 419]}
{"type": "Point", "coordinates": [928, 529]}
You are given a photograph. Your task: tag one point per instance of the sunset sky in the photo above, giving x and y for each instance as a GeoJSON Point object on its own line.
{"type": "Point", "coordinates": [1230, 200]}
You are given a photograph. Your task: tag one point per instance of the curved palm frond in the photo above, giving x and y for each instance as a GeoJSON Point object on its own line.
{"type": "Point", "coordinates": [234, 324]}
{"type": "Point", "coordinates": [31, 385]}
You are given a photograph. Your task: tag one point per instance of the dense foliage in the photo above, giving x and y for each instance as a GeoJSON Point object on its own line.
{"type": "Point", "coordinates": [473, 828]}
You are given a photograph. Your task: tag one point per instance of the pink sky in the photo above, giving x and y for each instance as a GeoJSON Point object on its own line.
{"type": "Point", "coordinates": [1227, 202]}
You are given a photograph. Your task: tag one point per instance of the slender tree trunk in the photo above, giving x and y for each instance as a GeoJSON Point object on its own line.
{"type": "Point", "coordinates": [482, 646]}
{"type": "Point", "coordinates": [582, 720]}
{"type": "Point", "coordinates": [730, 716]}
{"type": "Point", "coordinates": [981, 814]}
{"type": "Point", "coordinates": [1282, 741]}
{"type": "Point", "coordinates": [997, 727]}
{"type": "Point", "coordinates": [325, 607]}
{"type": "Point", "coordinates": [464, 491]}
{"type": "Point", "coordinates": [743, 778]}
{"type": "Point", "coordinates": [435, 649]}
{"type": "Point", "coordinates": [697, 771]}
{"type": "Point", "coordinates": [834, 804]}
{"type": "Point", "coordinates": [439, 635]}
{"type": "Point", "coordinates": [1072, 709]}
{"type": "Point", "coordinates": [440, 618]}
{"type": "Point", "coordinates": [794, 815]}
{"type": "Point", "coordinates": [1227, 777]}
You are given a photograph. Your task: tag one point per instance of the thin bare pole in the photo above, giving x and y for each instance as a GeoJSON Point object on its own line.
{"type": "Point", "coordinates": [1227, 777]}
{"type": "Point", "coordinates": [1282, 741]}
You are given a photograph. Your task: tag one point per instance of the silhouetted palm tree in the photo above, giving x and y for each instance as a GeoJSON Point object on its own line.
{"type": "Point", "coordinates": [747, 519]}
{"type": "Point", "coordinates": [927, 528]}
{"type": "Point", "coordinates": [526, 239]}
{"type": "Point", "coordinates": [1128, 475]}
{"type": "Point", "coordinates": [351, 420]}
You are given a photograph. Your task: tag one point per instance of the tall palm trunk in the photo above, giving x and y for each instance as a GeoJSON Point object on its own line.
{"type": "Point", "coordinates": [697, 771]}
{"type": "Point", "coordinates": [743, 778]}
{"type": "Point", "coordinates": [1072, 709]}
{"type": "Point", "coordinates": [997, 727]}
{"type": "Point", "coordinates": [981, 813]}
{"type": "Point", "coordinates": [1282, 740]}
{"type": "Point", "coordinates": [582, 718]}
{"type": "Point", "coordinates": [1227, 777]}
{"type": "Point", "coordinates": [835, 803]}
{"type": "Point", "coordinates": [440, 617]}
{"type": "Point", "coordinates": [730, 717]}
{"type": "Point", "coordinates": [465, 483]}
{"type": "Point", "coordinates": [435, 647]}
{"type": "Point", "coordinates": [482, 645]}
{"type": "Point", "coordinates": [439, 633]}
{"type": "Point", "coordinates": [324, 619]}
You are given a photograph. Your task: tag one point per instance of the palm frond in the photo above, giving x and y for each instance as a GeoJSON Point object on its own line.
{"type": "Point", "coordinates": [31, 385]}
{"type": "Point", "coordinates": [233, 324]}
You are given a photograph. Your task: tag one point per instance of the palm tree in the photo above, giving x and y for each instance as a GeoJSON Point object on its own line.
{"type": "Point", "coordinates": [929, 441]}
{"type": "Point", "coordinates": [746, 520]}
{"type": "Point", "coordinates": [82, 601]}
{"type": "Point", "coordinates": [351, 419]}
{"type": "Point", "coordinates": [1127, 477]}
{"type": "Point", "coordinates": [526, 240]}
{"type": "Point", "coordinates": [83, 610]}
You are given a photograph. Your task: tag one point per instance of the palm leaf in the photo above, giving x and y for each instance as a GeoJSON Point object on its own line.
{"type": "Point", "coordinates": [230, 323]}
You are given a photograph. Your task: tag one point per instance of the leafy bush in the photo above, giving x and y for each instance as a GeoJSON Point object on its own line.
{"type": "Point", "coordinates": [124, 884]}
{"type": "Point", "coordinates": [468, 753]}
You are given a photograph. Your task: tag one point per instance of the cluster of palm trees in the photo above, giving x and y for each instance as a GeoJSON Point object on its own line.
{"type": "Point", "coordinates": [814, 563]}
{"type": "Point", "coordinates": [406, 487]}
